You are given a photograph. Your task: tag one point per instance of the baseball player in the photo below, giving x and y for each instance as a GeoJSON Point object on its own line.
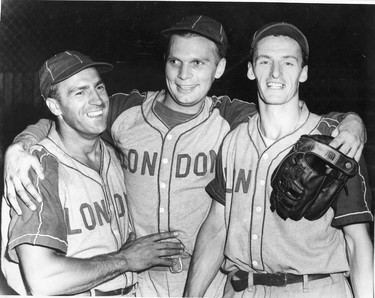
{"type": "Point", "coordinates": [169, 142]}
{"type": "Point", "coordinates": [265, 255]}
{"type": "Point", "coordinates": [76, 241]}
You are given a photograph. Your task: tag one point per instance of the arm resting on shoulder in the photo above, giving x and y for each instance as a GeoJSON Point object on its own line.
{"type": "Point", "coordinates": [208, 253]}
{"type": "Point", "coordinates": [361, 259]}
{"type": "Point", "coordinates": [350, 135]}
{"type": "Point", "coordinates": [18, 162]}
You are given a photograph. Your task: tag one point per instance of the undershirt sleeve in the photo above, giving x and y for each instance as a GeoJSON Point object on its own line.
{"type": "Point", "coordinates": [216, 188]}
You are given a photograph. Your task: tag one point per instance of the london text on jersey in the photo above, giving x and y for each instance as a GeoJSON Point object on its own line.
{"type": "Point", "coordinates": [186, 164]}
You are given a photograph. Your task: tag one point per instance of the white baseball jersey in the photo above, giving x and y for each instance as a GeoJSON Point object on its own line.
{"type": "Point", "coordinates": [166, 170]}
{"type": "Point", "coordinates": [83, 213]}
{"type": "Point", "coordinates": [258, 240]}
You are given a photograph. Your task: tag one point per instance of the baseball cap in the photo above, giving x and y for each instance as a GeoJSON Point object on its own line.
{"type": "Point", "coordinates": [282, 28]}
{"type": "Point", "coordinates": [203, 26]}
{"type": "Point", "coordinates": [64, 65]}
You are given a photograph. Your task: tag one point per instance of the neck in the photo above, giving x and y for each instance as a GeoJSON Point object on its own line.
{"type": "Point", "coordinates": [277, 121]}
{"type": "Point", "coordinates": [171, 103]}
{"type": "Point", "coordinates": [85, 150]}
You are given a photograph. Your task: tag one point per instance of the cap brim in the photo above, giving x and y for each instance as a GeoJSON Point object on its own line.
{"type": "Point", "coordinates": [102, 67]}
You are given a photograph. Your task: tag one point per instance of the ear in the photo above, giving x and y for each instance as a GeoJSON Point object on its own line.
{"type": "Point", "coordinates": [53, 106]}
{"type": "Point", "coordinates": [250, 71]}
{"type": "Point", "coordinates": [304, 74]}
{"type": "Point", "coordinates": [220, 68]}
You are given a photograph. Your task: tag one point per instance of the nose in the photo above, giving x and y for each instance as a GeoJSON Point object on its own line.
{"type": "Point", "coordinates": [275, 70]}
{"type": "Point", "coordinates": [95, 98]}
{"type": "Point", "coordinates": [184, 72]}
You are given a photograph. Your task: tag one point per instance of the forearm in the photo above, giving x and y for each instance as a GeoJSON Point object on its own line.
{"type": "Point", "coordinates": [33, 134]}
{"type": "Point", "coordinates": [208, 256]}
{"type": "Point", "coordinates": [60, 275]}
{"type": "Point", "coordinates": [360, 256]}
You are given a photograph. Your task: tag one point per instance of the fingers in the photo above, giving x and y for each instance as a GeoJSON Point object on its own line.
{"type": "Point", "coordinates": [164, 235]}
{"type": "Point", "coordinates": [11, 198]}
{"type": "Point", "coordinates": [358, 154]}
{"type": "Point", "coordinates": [168, 262]}
{"type": "Point", "coordinates": [335, 132]}
{"type": "Point", "coordinates": [21, 192]}
{"type": "Point", "coordinates": [348, 145]}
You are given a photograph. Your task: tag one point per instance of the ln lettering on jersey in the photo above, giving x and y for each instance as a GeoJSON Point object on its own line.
{"type": "Point", "coordinates": [92, 215]}
{"type": "Point", "coordinates": [241, 181]}
{"type": "Point", "coordinates": [146, 163]}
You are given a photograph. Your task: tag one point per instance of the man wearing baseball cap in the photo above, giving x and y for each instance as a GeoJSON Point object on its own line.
{"type": "Point", "coordinates": [77, 241]}
{"type": "Point", "coordinates": [265, 255]}
{"type": "Point", "coordinates": [169, 142]}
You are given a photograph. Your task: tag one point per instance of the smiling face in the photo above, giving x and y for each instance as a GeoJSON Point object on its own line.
{"type": "Point", "coordinates": [81, 104]}
{"type": "Point", "coordinates": [278, 68]}
{"type": "Point", "coordinates": [192, 64]}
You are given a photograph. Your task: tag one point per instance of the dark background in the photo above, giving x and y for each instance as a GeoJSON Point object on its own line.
{"type": "Point", "coordinates": [125, 33]}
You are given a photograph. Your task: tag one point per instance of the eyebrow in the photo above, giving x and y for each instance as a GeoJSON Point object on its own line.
{"type": "Point", "coordinates": [84, 87]}
{"type": "Point", "coordinates": [284, 57]}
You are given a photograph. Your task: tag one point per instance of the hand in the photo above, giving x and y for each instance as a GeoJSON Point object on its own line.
{"type": "Point", "coordinates": [149, 251]}
{"type": "Point", "coordinates": [350, 136]}
{"type": "Point", "coordinates": [17, 163]}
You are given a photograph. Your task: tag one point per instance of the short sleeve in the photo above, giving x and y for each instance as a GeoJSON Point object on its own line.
{"type": "Point", "coordinates": [46, 225]}
{"type": "Point", "coordinates": [354, 206]}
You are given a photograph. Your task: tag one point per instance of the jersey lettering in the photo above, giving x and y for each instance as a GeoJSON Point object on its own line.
{"type": "Point", "coordinates": [241, 181]}
{"type": "Point", "coordinates": [93, 215]}
{"type": "Point", "coordinates": [185, 163]}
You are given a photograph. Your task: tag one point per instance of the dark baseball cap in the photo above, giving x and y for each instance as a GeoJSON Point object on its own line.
{"type": "Point", "coordinates": [203, 26]}
{"type": "Point", "coordinates": [285, 29]}
{"type": "Point", "coordinates": [64, 65]}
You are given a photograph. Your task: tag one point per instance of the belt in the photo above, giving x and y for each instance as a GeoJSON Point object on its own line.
{"type": "Point", "coordinates": [118, 292]}
{"type": "Point", "coordinates": [268, 279]}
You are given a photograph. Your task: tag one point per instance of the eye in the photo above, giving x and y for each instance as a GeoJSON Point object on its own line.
{"type": "Point", "coordinates": [263, 62]}
{"type": "Point", "coordinates": [79, 93]}
{"type": "Point", "coordinates": [101, 87]}
{"type": "Point", "coordinates": [174, 62]}
{"type": "Point", "coordinates": [197, 63]}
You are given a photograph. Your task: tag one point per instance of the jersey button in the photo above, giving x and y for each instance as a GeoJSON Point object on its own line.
{"type": "Point", "coordinates": [255, 263]}
{"type": "Point", "coordinates": [165, 161]}
{"type": "Point", "coordinates": [163, 185]}
{"type": "Point", "coordinates": [258, 209]}
{"type": "Point", "coordinates": [254, 236]}
{"type": "Point", "coordinates": [262, 182]}
{"type": "Point", "coordinates": [161, 210]}
{"type": "Point", "coordinates": [169, 137]}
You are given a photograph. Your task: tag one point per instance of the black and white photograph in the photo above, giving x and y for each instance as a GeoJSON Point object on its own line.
{"type": "Point", "coordinates": [187, 148]}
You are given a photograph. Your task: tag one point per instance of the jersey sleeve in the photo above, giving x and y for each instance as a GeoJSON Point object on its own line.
{"type": "Point", "coordinates": [37, 131]}
{"type": "Point", "coordinates": [234, 111]}
{"type": "Point", "coordinates": [118, 103]}
{"type": "Point", "coordinates": [333, 119]}
{"type": "Point", "coordinates": [216, 188]}
{"type": "Point", "coordinates": [354, 206]}
{"type": "Point", "coordinates": [45, 226]}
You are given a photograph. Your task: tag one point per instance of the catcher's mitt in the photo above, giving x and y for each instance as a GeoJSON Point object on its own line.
{"type": "Point", "coordinates": [308, 179]}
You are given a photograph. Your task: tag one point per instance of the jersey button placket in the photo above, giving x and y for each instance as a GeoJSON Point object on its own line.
{"type": "Point", "coordinates": [258, 212]}
{"type": "Point", "coordinates": [164, 174]}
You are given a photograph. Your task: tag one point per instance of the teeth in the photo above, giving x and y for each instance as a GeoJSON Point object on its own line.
{"type": "Point", "coordinates": [186, 87]}
{"type": "Point", "coordinates": [274, 85]}
{"type": "Point", "coordinates": [95, 113]}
